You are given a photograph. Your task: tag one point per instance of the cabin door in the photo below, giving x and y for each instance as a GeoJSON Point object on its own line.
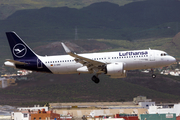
{"type": "Point", "coordinates": [39, 63]}
{"type": "Point", "coordinates": [151, 56]}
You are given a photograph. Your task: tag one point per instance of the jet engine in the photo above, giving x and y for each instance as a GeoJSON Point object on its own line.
{"type": "Point", "coordinates": [116, 70]}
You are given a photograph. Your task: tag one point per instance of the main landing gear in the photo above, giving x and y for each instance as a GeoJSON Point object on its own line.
{"type": "Point", "coordinates": [95, 79]}
{"type": "Point", "coordinates": [153, 75]}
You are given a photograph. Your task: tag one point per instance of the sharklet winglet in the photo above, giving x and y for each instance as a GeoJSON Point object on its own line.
{"type": "Point", "coordinates": [66, 48]}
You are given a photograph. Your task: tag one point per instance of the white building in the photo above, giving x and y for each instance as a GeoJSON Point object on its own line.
{"type": "Point", "coordinates": [3, 83]}
{"type": "Point", "coordinates": [24, 112]}
{"type": "Point", "coordinates": [161, 110]}
{"type": "Point", "coordinates": [146, 104]}
{"type": "Point", "coordinates": [97, 113]}
{"type": "Point", "coordinates": [35, 108]}
{"type": "Point", "coordinates": [3, 117]}
{"type": "Point", "coordinates": [20, 116]}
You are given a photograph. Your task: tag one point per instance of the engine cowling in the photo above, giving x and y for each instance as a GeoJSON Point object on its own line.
{"type": "Point", "coordinates": [116, 70]}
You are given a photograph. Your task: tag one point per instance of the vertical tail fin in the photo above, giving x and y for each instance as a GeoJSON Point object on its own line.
{"type": "Point", "coordinates": [24, 57]}
{"type": "Point", "coordinates": [19, 49]}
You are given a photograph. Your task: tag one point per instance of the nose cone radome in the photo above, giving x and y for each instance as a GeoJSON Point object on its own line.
{"type": "Point", "coordinates": [172, 59]}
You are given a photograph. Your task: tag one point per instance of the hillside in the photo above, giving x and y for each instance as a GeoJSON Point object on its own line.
{"type": "Point", "coordinates": [137, 23]}
{"type": "Point", "coordinates": [42, 88]}
{"type": "Point", "coordinates": [132, 21]}
{"type": "Point", "coordinates": [100, 26]}
{"type": "Point", "coordinates": [150, 20]}
{"type": "Point", "coordinates": [8, 7]}
{"type": "Point", "coordinates": [176, 41]}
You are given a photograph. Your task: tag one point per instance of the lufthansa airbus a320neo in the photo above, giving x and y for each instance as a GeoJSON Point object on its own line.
{"type": "Point", "coordinates": [114, 64]}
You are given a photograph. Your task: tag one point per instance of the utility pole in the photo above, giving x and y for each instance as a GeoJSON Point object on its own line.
{"type": "Point", "coordinates": [76, 34]}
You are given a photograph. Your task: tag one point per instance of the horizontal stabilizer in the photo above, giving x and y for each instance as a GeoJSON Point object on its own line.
{"type": "Point", "coordinates": [16, 62]}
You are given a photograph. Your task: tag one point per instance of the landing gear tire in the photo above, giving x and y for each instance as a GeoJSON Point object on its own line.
{"type": "Point", "coordinates": [95, 79]}
{"type": "Point", "coordinates": [153, 76]}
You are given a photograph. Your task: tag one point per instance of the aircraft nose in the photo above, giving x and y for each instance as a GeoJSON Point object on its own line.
{"type": "Point", "coordinates": [172, 59]}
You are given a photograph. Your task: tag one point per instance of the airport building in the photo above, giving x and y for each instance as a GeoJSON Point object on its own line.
{"type": "Point", "coordinates": [97, 108]}
{"type": "Point", "coordinates": [35, 113]}
{"type": "Point", "coordinates": [5, 82]}
{"type": "Point", "coordinates": [138, 106]}
{"type": "Point", "coordinates": [165, 109]}
{"type": "Point", "coordinates": [144, 110]}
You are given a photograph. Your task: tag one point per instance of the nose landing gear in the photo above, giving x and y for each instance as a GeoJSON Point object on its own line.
{"type": "Point", "coordinates": [153, 76]}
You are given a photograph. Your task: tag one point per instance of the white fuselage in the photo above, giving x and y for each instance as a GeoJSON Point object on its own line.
{"type": "Point", "coordinates": [137, 59]}
{"type": "Point", "coordinates": [114, 64]}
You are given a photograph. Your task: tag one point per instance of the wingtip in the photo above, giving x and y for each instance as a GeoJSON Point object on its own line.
{"type": "Point", "coordinates": [66, 48]}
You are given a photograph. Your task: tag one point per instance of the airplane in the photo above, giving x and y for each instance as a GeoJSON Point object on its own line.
{"type": "Point", "coordinates": [114, 64]}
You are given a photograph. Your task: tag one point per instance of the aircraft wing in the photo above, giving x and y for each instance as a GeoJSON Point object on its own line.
{"type": "Point", "coordinates": [85, 61]}
{"type": "Point", "coordinates": [16, 62]}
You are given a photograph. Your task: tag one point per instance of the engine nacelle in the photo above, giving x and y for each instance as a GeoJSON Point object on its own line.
{"type": "Point", "coordinates": [116, 70]}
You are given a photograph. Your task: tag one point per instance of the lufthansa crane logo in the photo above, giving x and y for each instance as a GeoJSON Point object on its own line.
{"type": "Point", "coordinates": [19, 50]}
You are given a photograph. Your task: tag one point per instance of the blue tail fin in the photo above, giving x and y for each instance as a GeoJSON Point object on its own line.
{"type": "Point", "coordinates": [24, 57]}
{"type": "Point", "coordinates": [20, 50]}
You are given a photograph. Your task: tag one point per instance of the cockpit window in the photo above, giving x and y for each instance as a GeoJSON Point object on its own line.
{"type": "Point", "coordinates": [164, 54]}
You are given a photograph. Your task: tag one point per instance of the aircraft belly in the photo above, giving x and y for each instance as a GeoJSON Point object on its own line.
{"type": "Point", "coordinates": [161, 63]}
{"type": "Point", "coordinates": [136, 65]}
{"type": "Point", "coordinates": [64, 69]}
{"type": "Point", "coordinates": [139, 65]}
{"type": "Point", "coordinates": [149, 64]}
